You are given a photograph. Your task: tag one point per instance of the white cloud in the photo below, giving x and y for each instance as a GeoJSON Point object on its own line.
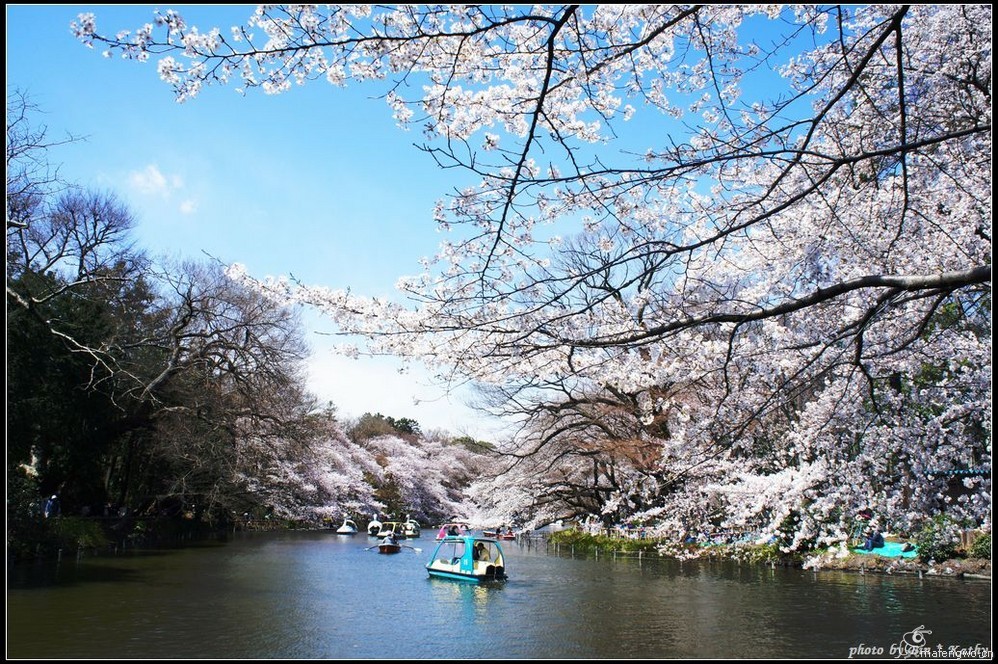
{"type": "Point", "coordinates": [190, 206]}
{"type": "Point", "coordinates": [151, 181]}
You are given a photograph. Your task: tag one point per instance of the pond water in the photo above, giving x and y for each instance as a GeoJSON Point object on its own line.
{"type": "Point", "coordinates": [318, 595]}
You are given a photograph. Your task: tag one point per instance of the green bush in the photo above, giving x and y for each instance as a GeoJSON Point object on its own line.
{"type": "Point", "coordinates": [587, 543]}
{"type": "Point", "coordinates": [30, 535]}
{"type": "Point", "coordinates": [26, 532]}
{"type": "Point", "coordinates": [981, 548]}
{"type": "Point", "coordinates": [759, 553]}
{"type": "Point", "coordinates": [939, 539]}
{"type": "Point", "coordinates": [78, 533]}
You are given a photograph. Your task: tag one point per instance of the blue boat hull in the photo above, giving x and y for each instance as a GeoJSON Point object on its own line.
{"type": "Point", "coordinates": [456, 576]}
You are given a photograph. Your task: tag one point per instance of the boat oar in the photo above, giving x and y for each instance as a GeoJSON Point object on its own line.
{"type": "Point", "coordinates": [414, 548]}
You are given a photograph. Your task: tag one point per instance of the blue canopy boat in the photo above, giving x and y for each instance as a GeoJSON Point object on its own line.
{"type": "Point", "coordinates": [468, 558]}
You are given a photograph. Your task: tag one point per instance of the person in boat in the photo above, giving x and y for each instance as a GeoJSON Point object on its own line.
{"type": "Point", "coordinates": [480, 552]}
{"type": "Point", "coordinates": [390, 539]}
{"type": "Point", "coordinates": [453, 531]}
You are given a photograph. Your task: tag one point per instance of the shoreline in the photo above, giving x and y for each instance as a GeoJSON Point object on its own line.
{"type": "Point", "coordinates": [978, 569]}
{"type": "Point", "coordinates": [835, 559]}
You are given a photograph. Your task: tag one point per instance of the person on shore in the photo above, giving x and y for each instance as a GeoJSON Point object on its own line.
{"type": "Point", "coordinates": [874, 540]}
{"type": "Point", "coordinates": [52, 506]}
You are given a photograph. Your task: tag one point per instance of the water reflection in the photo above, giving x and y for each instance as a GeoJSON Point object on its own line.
{"type": "Point", "coordinates": [316, 595]}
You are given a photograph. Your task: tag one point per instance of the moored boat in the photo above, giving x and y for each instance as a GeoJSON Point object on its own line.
{"type": "Point", "coordinates": [411, 528]}
{"type": "Point", "coordinates": [348, 528]}
{"type": "Point", "coordinates": [393, 528]}
{"type": "Point", "coordinates": [454, 529]}
{"type": "Point", "coordinates": [468, 558]}
{"type": "Point", "coordinates": [374, 527]}
{"type": "Point", "coordinates": [508, 534]}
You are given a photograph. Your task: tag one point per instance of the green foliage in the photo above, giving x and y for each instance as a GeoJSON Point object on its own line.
{"type": "Point", "coordinates": [75, 533]}
{"type": "Point", "coordinates": [405, 425]}
{"type": "Point", "coordinates": [25, 526]}
{"type": "Point", "coordinates": [981, 548]}
{"type": "Point", "coordinates": [371, 426]}
{"type": "Point", "coordinates": [938, 539]}
{"type": "Point", "coordinates": [472, 445]}
{"type": "Point", "coordinates": [30, 534]}
{"type": "Point", "coordinates": [587, 543]}
{"type": "Point", "coordinates": [763, 553]}
{"type": "Point", "coordinates": [389, 493]}
{"type": "Point", "coordinates": [53, 415]}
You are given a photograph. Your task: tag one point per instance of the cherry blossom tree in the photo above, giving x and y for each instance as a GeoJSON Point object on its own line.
{"type": "Point", "coordinates": [305, 468]}
{"type": "Point", "coordinates": [424, 478]}
{"type": "Point", "coordinates": [309, 472]}
{"type": "Point", "coordinates": [764, 230]}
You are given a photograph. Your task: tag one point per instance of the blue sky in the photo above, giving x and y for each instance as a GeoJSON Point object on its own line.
{"type": "Point", "coordinates": [317, 182]}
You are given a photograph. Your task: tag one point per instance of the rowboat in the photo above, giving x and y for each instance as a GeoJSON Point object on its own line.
{"type": "Point", "coordinates": [389, 547]}
{"type": "Point", "coordinates": [391, 544]}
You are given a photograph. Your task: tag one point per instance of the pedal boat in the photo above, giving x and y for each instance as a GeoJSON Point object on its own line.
{"type": "Point", "coordinates": [468, 558]}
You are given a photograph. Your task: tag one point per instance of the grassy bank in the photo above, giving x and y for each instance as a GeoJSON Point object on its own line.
{"type": "Point", "coordinates": [583, 543]}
